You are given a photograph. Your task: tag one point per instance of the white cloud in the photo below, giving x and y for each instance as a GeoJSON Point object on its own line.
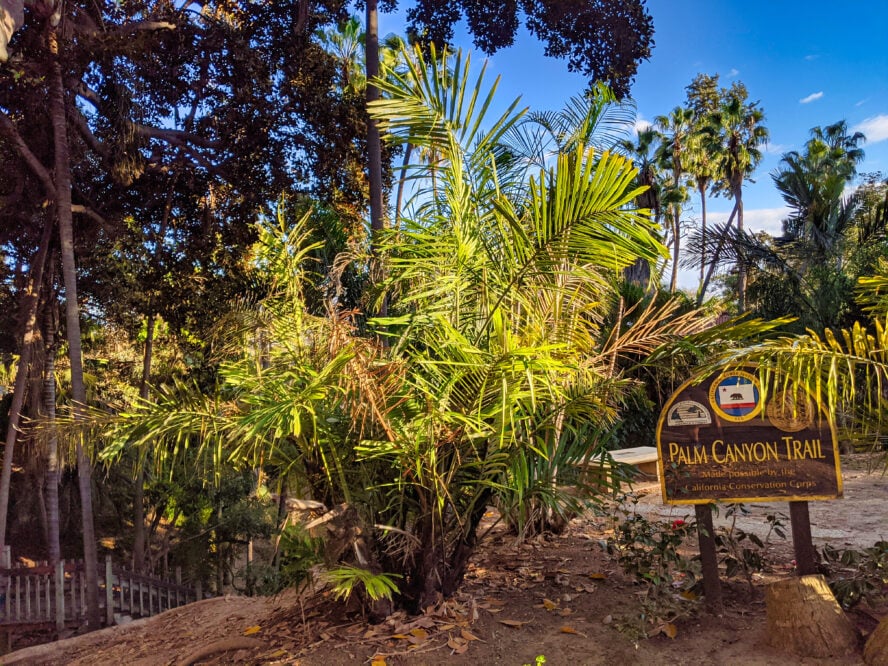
{"type": "Point", "coordinates": [810, 98]}
{"type": "Point", "coordinates": [811, 56]}
{"type": "Point", "coordinates": [862, 102]}
{"type": "Point", "coordinates": [734, 72]}
{"type": "Point", "coordinates": [776, 148]}
{"type": "Point", "coordinates": [756, 219]}
{"type": "Point", "coordinates": [875, 128]}
{"type": "Point", "coordinates": [641, 123]}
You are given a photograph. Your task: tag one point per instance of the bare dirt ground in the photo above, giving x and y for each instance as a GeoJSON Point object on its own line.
{"type": "Point", "coordinates": [561, 597]}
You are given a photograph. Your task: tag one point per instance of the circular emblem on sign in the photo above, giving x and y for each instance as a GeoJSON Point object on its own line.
{"type": "Point", "coordinates": [790, 413]}
{"type": "Point", "coordinates": [688, 412]}
{"type": "Point", "coordinates": [735, 396]}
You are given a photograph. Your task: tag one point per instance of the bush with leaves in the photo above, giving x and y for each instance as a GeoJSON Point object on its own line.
{"type": "Point", "coordinates": [497, 371]}
{"type": "Point", "coordinates": [654, 554]}
{"type": "Point", "coordinates": [742, 552]}
{"type": "Point", "coordinates": [857, 575]}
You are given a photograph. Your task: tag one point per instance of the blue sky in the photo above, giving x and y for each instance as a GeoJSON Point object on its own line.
{"type": "Point", "coordinates": [808, 64]}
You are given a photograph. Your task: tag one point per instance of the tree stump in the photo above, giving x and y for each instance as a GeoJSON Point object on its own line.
{"type": "Point", "coordinates": [876, 651]}
{"type": "Point", "coordinates": [804, 618]}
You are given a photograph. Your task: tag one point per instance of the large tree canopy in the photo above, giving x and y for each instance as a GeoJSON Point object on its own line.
{"type": "Point", "coordinates": [602, 39]}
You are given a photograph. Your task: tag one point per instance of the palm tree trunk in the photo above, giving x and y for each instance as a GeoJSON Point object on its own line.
{"type": "Point", "coordinates": [408, 151]}
{"type": "Point", "coordinates": [702, 231]}
{"type": "Point", "coordinates": [374, 145]}
{"type": "Point", "coordinates": [741, 267]}
{"type": "Point", "coordinates": [72, 322]}
{"type": "Point", "coordinates": [721, 243]}
{"type": "Point", "coordinates": [29, 309]}
{"type": "Point", "coordinates": [139, 536]}
{"type": "Point", "coordinates": [676, 247]}
{"type": "Point", "coordinates": [52, 473]}
{"type": "Point", "coordinates": [139, 483]}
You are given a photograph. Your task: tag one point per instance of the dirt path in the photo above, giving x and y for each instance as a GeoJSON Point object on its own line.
{"type": "Point", "coordinates": [561, 598]}
{"type": "Point", "coordinates": [857, 520]}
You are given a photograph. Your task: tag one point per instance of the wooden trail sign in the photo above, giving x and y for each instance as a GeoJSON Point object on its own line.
{"type": "Point", "coordinates": [729, 439]}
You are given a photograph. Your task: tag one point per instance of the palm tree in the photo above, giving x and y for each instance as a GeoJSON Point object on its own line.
{"type": "Point", "coordinates": [497, 362]}
{"type": "Point", "coordinates": [700, 163]}
{"type": "Point", "coordinates": [827, 238]}
{"type": "Point", "coordinates": [72, 322]}
{"type": "Point", "coordinates": [846, 368]}
{"type": "Point", "coordinates": [735, 135]}
{"type": "Point", "coordinates": [676, 129]}
{"type": "Point", "coordinates": [346, 43]}
{"type": "Point", "coordinates": [374, 144]}
{"type": "Point", "coordinates": [812, 184]}
{"type": "Point", "coordinates": [596, 119]}
{"type": "Point", "coordinates": [642, 153]}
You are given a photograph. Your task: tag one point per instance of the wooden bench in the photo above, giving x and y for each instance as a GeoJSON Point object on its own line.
{"type": "Point", "coordinates": [639, 461]}
{"type": "Point", "coordinates": [642, 458]}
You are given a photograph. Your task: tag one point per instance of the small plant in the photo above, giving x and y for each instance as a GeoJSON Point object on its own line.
{"type": "Point", "coordinates": [539, 661]}
{"type": "Point", "coordinates": [651, 551]}
{"type": "Point", "coordinates": [345, 579]}
{"type": "Point", "coordinates": [298, 554]}
{"type": "Point", "coordinates": [741, 552]}
{"type": "Point", "coordinates": [857, 574]}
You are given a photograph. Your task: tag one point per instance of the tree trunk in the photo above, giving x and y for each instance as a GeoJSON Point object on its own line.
{"type": "Point", "coordinates": [408, 151]}
{"type": "Point", "coordinates": [139, 483]}
{"type": "Point", "coordinates": [721, 243]}
{"type": "Point", "coordinates": [741, 267]}
{"type": "Point", "coordinates": [876, 651]}
{"type": "Point", "coordinates": [676, 226]}
{"type": "Point", "coordinates": [676, 247]}
{"type": "Point", "coordinates": [72, 323]}
{"type": "Point", "coordinates": [29, 309]}
{"type": "Point", "coordinates": [139, 536]}
{"type": "Point", "coordinates": [702, 231]}
{"type": "Point", "coordinates": [804, 619]}
{"type": "Point", "coordinates": [52, 474]}
{"type": "Point", "coordinates": [374, 145]}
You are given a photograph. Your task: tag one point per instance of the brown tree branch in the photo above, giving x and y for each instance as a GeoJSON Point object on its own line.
{"type": "Point", "coordinates": [34, 164]}
{"type": "Point", "coordinates": [176, 137]}
{"type": "Point", "coordinates": [129, 29]}
{"type": "Point", "coordinates": [76, 119]}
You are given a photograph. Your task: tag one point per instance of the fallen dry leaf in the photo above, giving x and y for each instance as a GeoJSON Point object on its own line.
{"type": "Point", "coordinates": [570, 630]}
{"type": "Point", "coordinates": [564, 612]}
{"type": "Point", "coordinates": [468, 635]}
{"type": "Point", "coordinates": [255, 629]}
{"type": "Point", "coordinates": [597, 576]}
{"type": "Point", "coordinates": [378, 661]}
{"type": "Point", "coordinates": [514, 623]}
{"type": "Point", "coordinates": [669, 629]}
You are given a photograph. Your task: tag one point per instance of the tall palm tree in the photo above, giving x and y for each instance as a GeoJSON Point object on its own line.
{"type": "Point", "coordinates": [642, 152]}
{"type": "Point", "coordinates": [735, 134]}
{"type": "Point", "coordinates": [374, 143]}
{"type": "Point", "coordinates": [346, 42]}
{"type": "Point", "coordinates": [813, 182]}
{"type": "Point", "coordinates": [596, 119]}
{"type": "Point", "coordinates": [700, 163]}
{"type": "Point", "coordinates": [72, 321]}
{"type": "Point", "coordinates": [676, 129]}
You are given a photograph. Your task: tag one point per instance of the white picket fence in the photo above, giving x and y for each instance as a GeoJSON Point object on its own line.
{"type": "Point", "coordinates": [56, 595]}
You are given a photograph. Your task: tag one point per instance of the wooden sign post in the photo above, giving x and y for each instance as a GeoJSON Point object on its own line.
{"type": "Point", "coordinates": [727, 438]}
